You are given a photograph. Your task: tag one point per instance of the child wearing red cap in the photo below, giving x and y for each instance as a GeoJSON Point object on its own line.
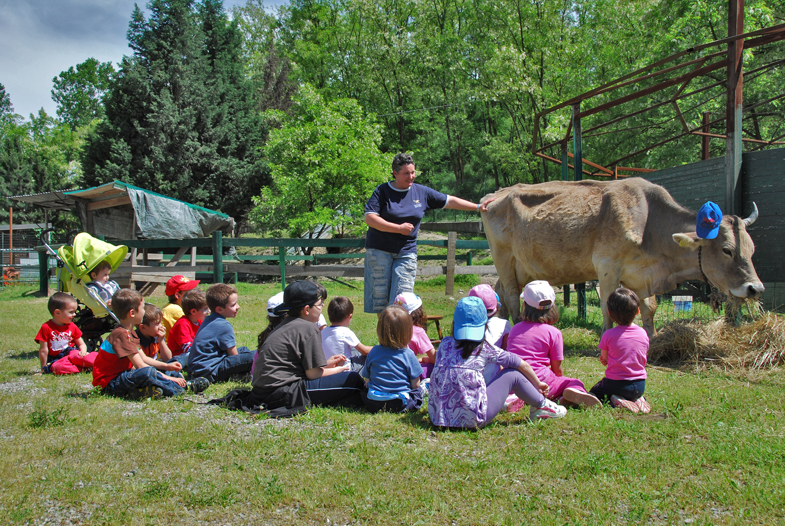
{"type": "Point", "coordinates": [537, 341]}
{"type": "Point", "coordinates": [176, 287]}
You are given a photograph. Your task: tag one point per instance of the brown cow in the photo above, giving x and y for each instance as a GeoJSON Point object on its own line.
{"type": "Point", "coordinates": [629, 232]}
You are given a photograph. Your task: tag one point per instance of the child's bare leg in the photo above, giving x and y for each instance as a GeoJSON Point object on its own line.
{"type": "Point", "coordinates": [575, 396]}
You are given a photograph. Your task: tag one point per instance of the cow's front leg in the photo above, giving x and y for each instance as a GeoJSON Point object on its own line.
{"type": "Point", "coordinates": [609, 281]}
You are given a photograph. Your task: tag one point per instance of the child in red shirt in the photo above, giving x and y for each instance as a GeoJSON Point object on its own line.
{"type": "Point", "coordinates": [62, 351]}
{"type": "Point", "coordinates": [194, 304]}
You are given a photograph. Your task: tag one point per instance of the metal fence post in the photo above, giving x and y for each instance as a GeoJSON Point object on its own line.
{"type": "Point", "coordinates": [43, 273]}
{"type": "Point", "coordinates": [580, 288]}
{"type": "Point", "coordinates": [218, 260]}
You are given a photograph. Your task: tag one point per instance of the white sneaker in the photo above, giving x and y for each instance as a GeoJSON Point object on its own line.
{"type": "Point", "coordinates": [548, 410]}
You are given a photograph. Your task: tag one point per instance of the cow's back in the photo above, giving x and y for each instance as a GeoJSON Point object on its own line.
{"type": "Point", "coordinates": [554, 230]}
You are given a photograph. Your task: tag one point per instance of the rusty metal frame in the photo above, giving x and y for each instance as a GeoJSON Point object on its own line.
{"type": "Point", "coordinates": [700, 66]}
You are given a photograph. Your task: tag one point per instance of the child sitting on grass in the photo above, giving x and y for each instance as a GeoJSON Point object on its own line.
{"type": "Point", "coordinates": [392, 372]}
{"type": "Point", "coordinates": [459, 396]}
{"type": "Point", "coordinates": [181, 337]}
{"type": "Point", "coordinates": [214, 353]}
{"type": "Point", "coordinates": [176, 287]}
{"type": "Point", "coordinates": [420, 344]}
{"type": "Point", "coordinates": [338, 338]}
{"type": "Point", "coordinates": [62, 350]}
{"type": "Point", "coordinates": [156, 353]}
{"type": "Point", "coordinates": [537, 341]}
{"type": "Point", "coordinates": [119, 368]}
{"type": "Point", "coordinates": [497, 330]}
{"type": "Point", "coordinates": [101, 284]}
{"type": "Point", "coordinates": [623, 350]}
{"type": "Point", "coordinates": [151, 335]}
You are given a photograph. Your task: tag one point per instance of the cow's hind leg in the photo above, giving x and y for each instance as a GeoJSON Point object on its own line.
{"type": "Point", "coordinates": [508, 287]}
{"type": "Point", "coordinates": [648, 308]}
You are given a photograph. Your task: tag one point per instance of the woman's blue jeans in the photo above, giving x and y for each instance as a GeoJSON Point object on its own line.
{"type": "Point", "coordinates": [386, 276]}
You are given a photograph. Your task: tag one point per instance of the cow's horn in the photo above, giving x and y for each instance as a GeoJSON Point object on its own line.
{"type": "Point", "coordinates": [753, 216]}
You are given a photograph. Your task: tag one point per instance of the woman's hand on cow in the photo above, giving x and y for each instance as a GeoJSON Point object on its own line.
{"type": "Point", "coordinates": [484, 205]}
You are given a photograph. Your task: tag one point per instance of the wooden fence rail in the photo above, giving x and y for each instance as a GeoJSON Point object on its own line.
{"type": "Point", "coordinates": [234, 264]}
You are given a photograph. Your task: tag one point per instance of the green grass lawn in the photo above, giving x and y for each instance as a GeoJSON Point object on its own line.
{"type": "Point", "coordinates": [711, 452]}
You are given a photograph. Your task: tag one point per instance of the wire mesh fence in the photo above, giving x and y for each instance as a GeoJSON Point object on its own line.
{"type": "Point", "coordinates": [673, 306]}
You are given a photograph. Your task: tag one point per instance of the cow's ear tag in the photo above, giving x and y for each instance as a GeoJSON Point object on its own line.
{"type": "Point", "coordinates": [684, 242]}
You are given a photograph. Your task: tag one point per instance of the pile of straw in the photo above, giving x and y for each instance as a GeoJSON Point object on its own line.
{"type": "Point", "coordinates": [755, 344]}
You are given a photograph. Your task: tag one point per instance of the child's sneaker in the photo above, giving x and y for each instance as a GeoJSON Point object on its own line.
{"type": "Point", "coordinates": [548, 410]}
{"type": "Point", "coordinates": [197, 385]}
{"type": "Point", "coordinates": [145, 392]}
{"type": "Point", "coordinates": [514, 404]}
{"type": "Point", "coordinates": [617, 401]}
{"type": "Point", "coordinates": [643, 405]}
{"type": "Point", "coordinates": [46, 369]}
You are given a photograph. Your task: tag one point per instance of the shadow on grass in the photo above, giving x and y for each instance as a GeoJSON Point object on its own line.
{"type": "Point", "coordinates": [85, 395]}
{"type": "Point", "coordinates": [23, 355]}
{"type": "Point", "coordinates": [420, 420]}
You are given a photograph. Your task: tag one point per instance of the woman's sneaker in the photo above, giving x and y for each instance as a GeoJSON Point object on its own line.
{"type": "Point", "coordinates": [643, 405]}
{"type": "Point", "coordinates": [617, 401]}
{"type": "Point", "coordinates": [548, 410]}
{"type": "Point", "coordinates": [197, 385]}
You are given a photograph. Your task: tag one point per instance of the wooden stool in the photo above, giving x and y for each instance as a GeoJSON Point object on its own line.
{"type": "Point", "coordinates": [435, 319]}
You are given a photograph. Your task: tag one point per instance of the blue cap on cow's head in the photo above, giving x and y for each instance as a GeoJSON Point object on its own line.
{"type": "Point", "coordinates": [709, 219]}
{"type": "Point", "coordinates": [470, 319]}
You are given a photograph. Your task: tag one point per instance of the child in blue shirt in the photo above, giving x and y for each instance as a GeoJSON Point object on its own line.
{"type": "Point", "coordinates": [392, 372]}
{"type": "Point", "coordinates": [214, 353]}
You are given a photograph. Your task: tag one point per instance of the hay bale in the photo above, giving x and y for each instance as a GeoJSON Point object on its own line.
{"type": "Point", "coordinates": [755, 344]}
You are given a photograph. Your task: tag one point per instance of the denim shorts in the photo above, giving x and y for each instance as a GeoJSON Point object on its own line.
{"type": "Point", "coordinates": [386, 276]}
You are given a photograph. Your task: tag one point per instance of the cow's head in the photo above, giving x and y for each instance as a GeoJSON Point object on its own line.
{"type": "Point", "coordinates": [727, 259]}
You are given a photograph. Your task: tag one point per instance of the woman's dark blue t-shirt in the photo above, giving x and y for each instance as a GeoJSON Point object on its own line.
{"type": "Point", "coordinates": [400, 206]}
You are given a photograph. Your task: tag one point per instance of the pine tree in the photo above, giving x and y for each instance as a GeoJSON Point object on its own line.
{"type": "Point", "coordinates": [179, 117]}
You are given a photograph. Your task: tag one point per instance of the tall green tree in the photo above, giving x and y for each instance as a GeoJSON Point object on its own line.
{"type": "Point", "coordinates": [6, 108]}
{"type": "Point", "coordinates": [79, 92]}
{"type": "Point", "coordinates": [35, 157]}
{"type": "Point", "coordinates": [325, 162]}
{"type": "Point", "coordinates": [180, 117]}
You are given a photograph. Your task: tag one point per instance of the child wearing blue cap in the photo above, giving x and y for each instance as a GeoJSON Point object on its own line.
{"type": "Point", "coordinates": [459, 396]}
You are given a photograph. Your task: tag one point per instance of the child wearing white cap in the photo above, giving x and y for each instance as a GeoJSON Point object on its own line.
{"type": "Point", "coordinates": [421, 343]}
{"type": "Point", "coordinates": [537, 341]}
{"type": "Point", "coordinates": [273, 321]}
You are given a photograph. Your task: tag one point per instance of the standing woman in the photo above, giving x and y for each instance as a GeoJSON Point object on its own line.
{"type": "Point", "coordinates": [393, 215]}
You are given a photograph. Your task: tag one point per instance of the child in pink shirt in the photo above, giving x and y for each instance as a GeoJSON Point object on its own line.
{"type": "Point", "coordinates": [541, 345]}
{"type": "Point", "coordinates": [421, 343]}
{"type": "Point", "coordinates": [623, 351]}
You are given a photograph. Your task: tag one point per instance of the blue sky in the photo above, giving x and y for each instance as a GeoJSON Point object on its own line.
{"type": "Point", "coordinates": [41, 38]}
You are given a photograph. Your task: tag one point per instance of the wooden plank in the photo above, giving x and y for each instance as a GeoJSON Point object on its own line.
{"type": "Point", "coordinates": [349, 271]}
{"type": "Point", "coordinates": [158, 277]}
{"type": "Point", "coordinates": [108, 203]}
